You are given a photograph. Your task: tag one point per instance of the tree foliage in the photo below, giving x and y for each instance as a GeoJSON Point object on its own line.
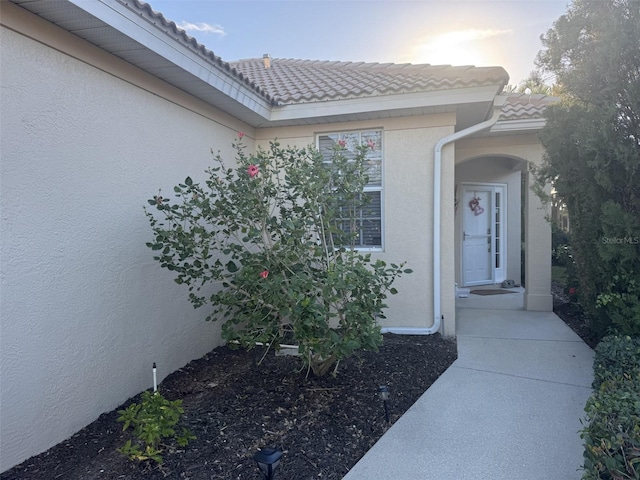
{"type": "Point", "coordinates": [269, 246]}
{"type": "Point", "coordinates": [592, 142]}
{"type": "Point", "coordinates": [533, 84]}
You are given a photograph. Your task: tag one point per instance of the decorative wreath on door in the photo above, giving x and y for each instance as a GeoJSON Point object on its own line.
{"type": "Point", "coordinates": [474, 205]}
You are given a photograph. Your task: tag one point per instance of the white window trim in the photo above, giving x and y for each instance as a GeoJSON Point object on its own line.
{"type": "Point", "coordinates": [367, 188]}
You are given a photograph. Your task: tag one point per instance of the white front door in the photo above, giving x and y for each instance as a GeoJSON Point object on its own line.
{"type": "Point", "coordinates": [477, 235]}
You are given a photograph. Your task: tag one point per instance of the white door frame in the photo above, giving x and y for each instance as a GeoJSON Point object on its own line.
{"type": "Point", "coordinates": [498, 215]}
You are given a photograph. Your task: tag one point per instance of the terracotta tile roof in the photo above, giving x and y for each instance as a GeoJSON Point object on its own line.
{"type": "Point", "coordinates": [290, 81]}
{"type": "Point", "coordinates": [520, 106]}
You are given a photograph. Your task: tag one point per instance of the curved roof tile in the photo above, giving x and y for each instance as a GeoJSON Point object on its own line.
{"type": "Point", "coordinates": [286, 79]}
{"type": "Point", "coordinates": [521, 106]}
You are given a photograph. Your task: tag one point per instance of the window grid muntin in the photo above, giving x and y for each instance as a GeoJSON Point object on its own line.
{"type": "Point", "coordinates": [353, 138]}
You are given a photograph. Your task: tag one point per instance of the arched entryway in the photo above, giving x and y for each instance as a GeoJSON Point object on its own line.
{"type": "Point", "coordinates": [501, 233]}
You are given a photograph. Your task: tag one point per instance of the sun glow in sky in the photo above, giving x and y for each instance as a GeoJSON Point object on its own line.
{"type": "Point", "coordinates": [459, 47]}
{"type": "Point", "coordinates": [440, 32]}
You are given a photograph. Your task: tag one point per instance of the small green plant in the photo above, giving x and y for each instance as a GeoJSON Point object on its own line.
{"type": "Point", "coordinates": [152, 421]}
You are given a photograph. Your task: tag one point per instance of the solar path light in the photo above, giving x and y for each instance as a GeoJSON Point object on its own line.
{"type": "Point", "coordinates": [383, 391]}
{"type": "Point", "coordinates": [268, 460]}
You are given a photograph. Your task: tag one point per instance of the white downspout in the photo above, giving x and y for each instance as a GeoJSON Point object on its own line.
{"type": "Point", "coordinates": [498, 101]}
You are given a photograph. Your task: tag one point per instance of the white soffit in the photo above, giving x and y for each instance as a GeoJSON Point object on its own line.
{"type": "Point", "coordinates": [508, 127]}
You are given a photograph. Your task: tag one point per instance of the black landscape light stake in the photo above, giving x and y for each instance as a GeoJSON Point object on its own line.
{"type": "Point", "coordinates": [268, 460]}
{"type": "Point", "coordinates": [383, 391]}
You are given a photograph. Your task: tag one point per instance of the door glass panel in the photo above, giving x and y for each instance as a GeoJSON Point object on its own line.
{"type": "Point", "coordinates": [497, 231]}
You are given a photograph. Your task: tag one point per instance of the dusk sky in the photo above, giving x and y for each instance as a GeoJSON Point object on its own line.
{"type": "Point", "coordinates": [454, 32]}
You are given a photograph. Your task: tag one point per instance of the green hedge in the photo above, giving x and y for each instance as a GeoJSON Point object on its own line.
{"type": "Point", "coordinates": [615, 356]}
{"type": "Point", "coordinates": [612, 433]}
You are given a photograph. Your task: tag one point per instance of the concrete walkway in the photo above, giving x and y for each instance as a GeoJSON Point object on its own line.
{"type": "Point", "coordinates": [509, 407]}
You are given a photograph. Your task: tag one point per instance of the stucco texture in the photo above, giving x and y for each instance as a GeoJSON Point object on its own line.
{"type": "Point", "coordinates": [85, 309]}
{"type": "Point", "coordinates": [408, 147]}
{"type": "Point", "coordinates": [86, 140]}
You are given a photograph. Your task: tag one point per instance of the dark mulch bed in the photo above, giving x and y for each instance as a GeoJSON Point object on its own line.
{"type": "Point", "coordinates": [323, 425]}
{"type": "Point", "coordinates": [572, 315]}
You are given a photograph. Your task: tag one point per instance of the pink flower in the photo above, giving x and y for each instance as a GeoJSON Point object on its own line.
{"type": "Point", "coordinates": [371, 144]}
{"type": "Point", "coordinates": [240, 134]}
{"type": "Point", "coordinates": [264, 274]}
{"type": "Point", "coordinates": [252, 170]}
{"type": "Point", "coordinates": [572, 291]}
{"type": "Point", "coordinates": [342, 143]}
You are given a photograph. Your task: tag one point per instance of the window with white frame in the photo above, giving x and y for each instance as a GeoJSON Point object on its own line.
{"type": "Point", "coordinates": [369, 221]}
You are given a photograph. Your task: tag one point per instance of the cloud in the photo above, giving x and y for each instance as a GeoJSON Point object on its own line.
{"type": "Point", "coordinates": [202, 27]}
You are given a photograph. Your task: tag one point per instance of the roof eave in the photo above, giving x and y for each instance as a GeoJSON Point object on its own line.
{"type": "Point", "coordinates": [126, 20]}
{"type": "Point", "coordinates": [381, 106]}
{"type": "Point", "coordinates": [522, 126]}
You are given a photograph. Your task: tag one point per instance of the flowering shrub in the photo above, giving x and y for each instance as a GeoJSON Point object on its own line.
{"type": "Point", "coordinates": [269, 246]}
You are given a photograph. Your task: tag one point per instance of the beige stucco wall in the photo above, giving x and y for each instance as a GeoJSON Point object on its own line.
{"type": "Point", "coordinates": [408, 145]}
{"type": "Point", "coordinates": [537, 240]}
{"type": "Point", "coordinates": [86, 139]}
{"type": "Point", "coordinates": [85, 310]}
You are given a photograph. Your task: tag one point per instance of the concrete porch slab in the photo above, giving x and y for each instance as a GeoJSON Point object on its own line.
{"type": "Point", "coordinates": [498, 323]}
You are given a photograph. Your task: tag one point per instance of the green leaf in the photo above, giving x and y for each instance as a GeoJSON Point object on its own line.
{"type": "Point", "coordinates": [285, 221]}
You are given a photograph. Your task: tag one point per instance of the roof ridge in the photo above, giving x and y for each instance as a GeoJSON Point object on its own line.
{"type": "Point", "coordinates": [376, 66]}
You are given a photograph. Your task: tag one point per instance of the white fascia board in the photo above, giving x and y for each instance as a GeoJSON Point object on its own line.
{"type": "Point", "coordinates": [394, 101]}
{"type": "Point", "coordinates": [123, 19]}
{"type": "Point", "coordinates": [526, 125]}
